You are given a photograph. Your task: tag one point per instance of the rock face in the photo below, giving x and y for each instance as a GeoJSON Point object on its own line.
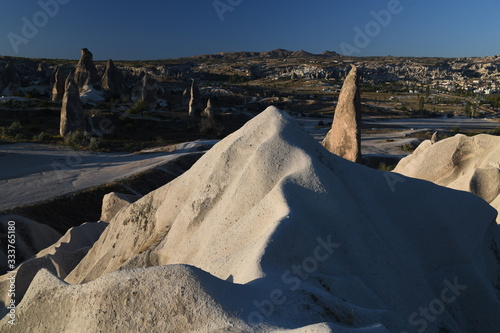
{"type": "Point", "coordinates": [40, 74]}
{"type": "Point", "coordinates": [344, 139]}
{"type": "Point", "coordinates": [208, 112]}
{"type": "Point", "coordinates": [10, 80]}
{"type": "Point", "coordinates": [434, 138]}
{"type": "Point", "coordinates": [86, 72]}
{"type": "Point", "coordinates": [59, 85]}
{"type": "Point", "coordinates": [463, 163]}
{"type": "Point", "coordinates": [270, 232]}
{"type": "Point", "coordinates": [194, 102]}
{"type": "Point", "coordinates": [149, 88]}
{"type": "Point", "coordinates": [186, 96]}
{"type": "Point", "coordinates": [113, 202]}
{"type": "Point", "coordinates": [72, 113]}
{"type": "Point", "coordinates": [59, 258]}
{"type": "Point", "coordinates": [113, 82]}
{"type": "Point", "coordinates": [31, 237]}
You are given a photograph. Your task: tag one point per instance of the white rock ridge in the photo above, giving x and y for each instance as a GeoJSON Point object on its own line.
{"type": "Point", "coordinates": [284, 237]}
{"type": "Point", "coordinates": [463, 163]}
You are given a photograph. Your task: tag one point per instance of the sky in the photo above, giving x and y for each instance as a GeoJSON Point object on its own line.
{"type": "Point", "coordinates": [160, 29]}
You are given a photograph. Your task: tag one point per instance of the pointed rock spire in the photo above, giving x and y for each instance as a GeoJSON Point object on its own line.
{"type": "Point", "coordinates": [208, 112]}
{"type": "Point", "coordinates": [113, 83]}
{"type": "Point", "coordinates": [59, 85]}
{"type": "Point", "coordinates": [86, 72]}
{"type": "Point", "coordinates": [194, 103]}
{"type": "Point", "coordinates": [72, 108]}
{"type": "Point", "coordinates": [344, 138]}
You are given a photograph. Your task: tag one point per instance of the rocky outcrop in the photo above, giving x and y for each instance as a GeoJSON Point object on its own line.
{"type": "Point", "coordinates": [30, 238]}
{"type": "Point", "coordinates": [113, 202]}
{"type": "Point", "coordinates": [58, 257]}
{"type": "Point", "coordinates": [434, 138]}
{"type": "Point", "coordinates": [194, 102]}
{"type": "Point", "coordinates": [463, 163]}
{"type": "Point", "coordinates": [59, 85]}
{"type": "Point", "coordinates": [186, 96]}
{"type": "Point", "coordinates": [208, 112]}
{"type": "Point", "coordinates": [9, 80]}
{"type": "Point", "coordinates": [283, 235]}
{"type": "Point", "coordinates": [113, 82]}
{"type": "Point", "coordinates": [72, 113]}
{"type": "Point", "coordinates": [149, 90]}
{"type": "Point", "coordinates": [40, 74]}
{"type": "Point", "coordinates": [344, 138]}
{"type": "Point", "coordinates": [86, 72]}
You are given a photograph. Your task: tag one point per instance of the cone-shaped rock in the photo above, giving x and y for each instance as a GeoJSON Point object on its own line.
{"type": "Point", "coordinates": [194, 102]}
{"type": "Point", "coordinates": [113, 83]}
{"type": "Point", "coordinates": [86, 72]}
{"type": "Point", "coordinates": [434, 138]}
{"type": "Point", "coordinates": [40, 74]}
{"type": "Point", "coordinates": [186, 96]}
{"type": "Point", "coordinates": [208, 112]}
{"type": "Point", "coordinates": [344, 138]}
{"type": "Point", "coordinates": [59, 85]}
{"type": "Point", "coordinates": [149, 88]}
{"type": "Point", "coordinates": [72, 108]}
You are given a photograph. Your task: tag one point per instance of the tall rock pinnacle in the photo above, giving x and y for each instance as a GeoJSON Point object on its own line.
{"type": "Point", "coordinates": [344, 138]}
{"type": "Point", "coordinates": [59, 85]}
{"type": "Point", "coordinates": [86, 72]}
{"type": "Point", "coordinates": [72, 108]}
{"type": "Point", "coordinates": [194, 103]}
{"type": "Point", "coordinates": [113, 83]}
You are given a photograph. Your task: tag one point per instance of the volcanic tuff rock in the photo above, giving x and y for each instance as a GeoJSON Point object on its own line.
{"type": "Point", "coordinates": [86, 72]}
{"type": "Point", "coordinates": [59, 258]}
{"type": "Point", "coordinates": [31, 237]}
{"type": "Point", "coordinates": [194, 102]}
{"type": "Point", "coordinates": [148, 91]}
{"type": "Point", "coordinates": [113, 82]}
{"type": "Point", "coordinates": [463, 163]}
{"type": "Point", "coordinates": [40, 74]}
{"type": "Point", "coordinates": [290, 237]}
{"type": "Point", "coordinates": [9, 79]}
{"type": "Point", "coordinates": [208, 112]}
{"type": "Point", "coordinates": [59, 85]}
{"type": "Point", "coordinates": [344, 138]}
{"type": "Point", "coordinates": [113, 202]}
{"type": "Point", "coordinates": [72, 113]}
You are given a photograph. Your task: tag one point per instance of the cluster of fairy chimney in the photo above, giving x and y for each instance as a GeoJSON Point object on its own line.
{"type": "Point", "coordinates": [343, 139]}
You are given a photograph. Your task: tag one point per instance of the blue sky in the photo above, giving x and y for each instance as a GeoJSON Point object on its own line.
{"type": "Point", "coordinates": [158, 29]}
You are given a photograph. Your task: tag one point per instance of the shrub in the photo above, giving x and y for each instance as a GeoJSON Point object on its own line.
{"type": "Point", "coordinates": [408, 147]}
{"type": "Point", "coordinates": [95, 143]}
{"type": "Point", "coordinates": [495, 131]}
{"type": "Point", "coordinates": [14, 129]}
{"type": "Point", "coordinates": [386, 167]}
{"type": "Point", "coordinates": [44, 136]}
{"type": "Point", "coordinates": [77, 139]}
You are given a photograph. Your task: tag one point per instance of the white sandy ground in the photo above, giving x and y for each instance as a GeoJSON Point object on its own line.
{"type": "Point", "coordinates": [31, 173]}
{"type": "Point", "coordinates": [270, 232]}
